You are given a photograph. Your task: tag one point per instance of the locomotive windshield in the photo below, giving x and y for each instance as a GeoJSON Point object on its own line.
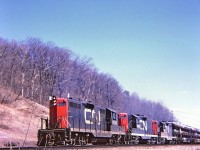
{"type": "Point", "coordinates": [114, 116]}
{"type": "Point", "coordinates": [62, 104]}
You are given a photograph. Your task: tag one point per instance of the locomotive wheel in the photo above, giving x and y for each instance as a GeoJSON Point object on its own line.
{"type": "Point", "coordinates": [163, 141]}
{"type": "Point", "coordinates": [110, 141]}
{"type": "Point", "coordinates": [85, 141]}
{"type": "Point", "coordinates": [41, 141]}
{"type": "Point", "coordinates": [136, 142]}
{"type": "Point", "coordinates": [94, 141]}
{"type": "Point", "coordinates": [72, 142]}
{"type": "Point", "coordinates": [148, 142]}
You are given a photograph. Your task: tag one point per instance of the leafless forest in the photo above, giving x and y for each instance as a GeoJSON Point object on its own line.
{"type": "Point", "coordinates": [35, 69]}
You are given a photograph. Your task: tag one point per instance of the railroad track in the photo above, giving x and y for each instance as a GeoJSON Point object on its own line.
{"type": "Point", "coordinates": [110, 147]}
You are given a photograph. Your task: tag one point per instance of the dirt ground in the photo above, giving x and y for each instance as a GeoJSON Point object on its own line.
{"type": "Point", "coordinates": [168, 147]}
{"type": "Point", "coordinates": [173, 147]}
{"type": "Point", "coordinates": [19, 122]}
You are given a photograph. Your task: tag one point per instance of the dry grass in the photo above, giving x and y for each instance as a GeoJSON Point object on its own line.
{"type": "Point", "coordinates": [15, 119]}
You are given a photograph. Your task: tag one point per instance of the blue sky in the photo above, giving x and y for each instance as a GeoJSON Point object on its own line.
{"type": "Point", "coordinates": [150, 47]}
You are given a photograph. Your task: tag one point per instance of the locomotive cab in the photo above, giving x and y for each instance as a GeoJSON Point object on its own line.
{"type": "Point", "coordinates": [111, 120]}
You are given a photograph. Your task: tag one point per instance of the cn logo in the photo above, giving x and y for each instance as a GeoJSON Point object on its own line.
{"type": "Point", "coordinates": [89, 116]}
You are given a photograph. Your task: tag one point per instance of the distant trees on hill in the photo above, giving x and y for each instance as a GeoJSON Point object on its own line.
{"type": "Point", "coordinates": [35, 70]}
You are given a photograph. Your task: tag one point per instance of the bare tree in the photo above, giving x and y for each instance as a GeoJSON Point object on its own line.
{"type": "Point", "coordinates": [35, 69]}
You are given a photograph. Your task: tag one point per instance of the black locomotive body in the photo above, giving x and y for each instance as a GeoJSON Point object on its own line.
{"type": "Point", "coordinates": [93, 123]}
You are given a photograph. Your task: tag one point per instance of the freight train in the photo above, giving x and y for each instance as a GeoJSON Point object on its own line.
{"type": "Point", "coordinates": [75, 122]}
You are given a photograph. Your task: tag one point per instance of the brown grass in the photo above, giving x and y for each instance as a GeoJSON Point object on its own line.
{"type": "Point", "coordinates": [15, 118]}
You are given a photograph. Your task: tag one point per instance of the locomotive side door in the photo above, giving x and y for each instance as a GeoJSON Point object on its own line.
{"type": "Point", "coordinates": [108, 120]}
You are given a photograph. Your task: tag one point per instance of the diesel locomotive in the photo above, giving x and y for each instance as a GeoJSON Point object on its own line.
{"type": "Point", "coordinates": [75, 122]}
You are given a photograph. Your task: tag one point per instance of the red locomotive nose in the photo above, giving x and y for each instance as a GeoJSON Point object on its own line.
{"type": "Point", "coordinates": [58, 113]}
{"type": "Point", "coordinates": [155, 127]}
{"type": "Point", "coordinates": [123, 121]}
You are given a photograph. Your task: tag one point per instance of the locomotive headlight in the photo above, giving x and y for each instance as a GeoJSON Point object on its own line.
{"type": "Point", "coordinates": [50, 98]}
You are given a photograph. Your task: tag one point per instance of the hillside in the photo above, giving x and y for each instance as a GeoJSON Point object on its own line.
{"type": "Point", "coordinates": [35, 69]}
{"type": "Point", "coordinates": [14, 122]}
